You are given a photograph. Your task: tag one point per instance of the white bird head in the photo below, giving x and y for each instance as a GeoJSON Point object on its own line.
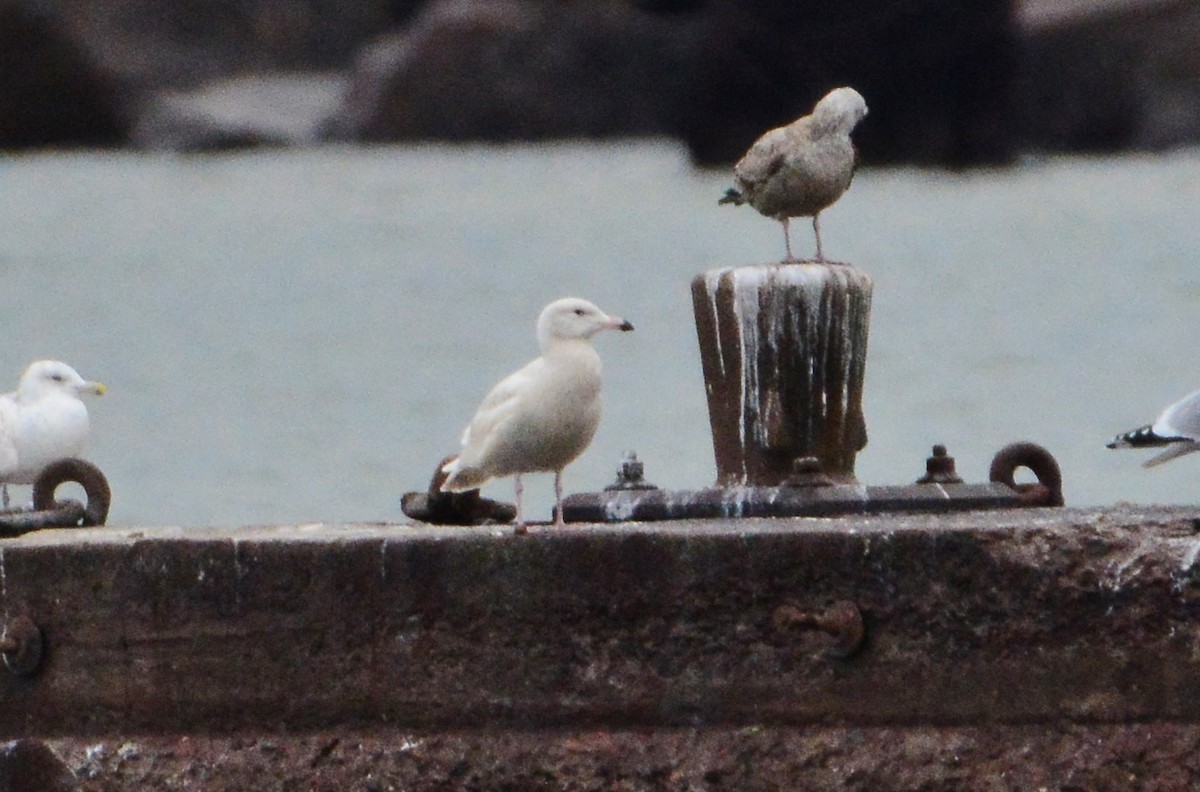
{"type": "Point", "coordinates": [46, 377]}
{"type": "Point", "coordinates": [573, 318]}
{"type": "Point", "coordinates": [840, 110]}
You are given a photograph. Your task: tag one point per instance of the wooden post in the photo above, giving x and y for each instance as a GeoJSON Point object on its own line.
{"type": "Point", "coordinates": [784, 350]}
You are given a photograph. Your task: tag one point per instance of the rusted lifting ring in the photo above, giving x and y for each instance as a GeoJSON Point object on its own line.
{"type": "Point", "coordinates": [87, 475]}
{"type": "Point", "coordinates": [454, 508]}
{"type": "Point", "coordinates": [1048, 489]}
{"type": "Point", "coordinates": [22, 646]}
{"type": "Point", "coordinates": [842, 620]}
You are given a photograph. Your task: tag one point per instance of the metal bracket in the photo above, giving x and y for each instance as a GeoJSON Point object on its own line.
{"type": "Point", "coordinates": [808, 492]}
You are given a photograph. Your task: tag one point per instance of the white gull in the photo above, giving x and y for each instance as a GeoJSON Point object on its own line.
{"type": "Point", "coordinates": [800, 169]}
{"type": "Point", "coordinates": [543, 416]}
{"type": "Point", "coordinates": [41, 421]}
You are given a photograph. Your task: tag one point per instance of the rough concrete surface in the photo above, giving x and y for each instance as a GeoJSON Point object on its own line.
{"type": "Point", "coordinates": [997, 759]}
{"type": "Point", "coordinates": [1015, 649]}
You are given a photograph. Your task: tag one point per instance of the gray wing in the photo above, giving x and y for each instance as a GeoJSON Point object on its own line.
{"type": "Point", "coordinates": [763, 160]}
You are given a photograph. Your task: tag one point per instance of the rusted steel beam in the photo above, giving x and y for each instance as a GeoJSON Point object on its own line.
{"type": "Point", "coordinates": [1021, 616]}
{"type": "Point", "coordinates": [808, 492]}
{"type": "Point", "coordinates": [784, 501]}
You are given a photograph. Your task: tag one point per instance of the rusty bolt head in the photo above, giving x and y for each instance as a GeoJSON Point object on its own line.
{"type": "Point", "coordinates": [630, 476]}
{"type": "Point", "coordinates": [939, 468]}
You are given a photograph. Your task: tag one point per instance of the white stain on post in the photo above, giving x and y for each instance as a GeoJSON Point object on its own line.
{"type": "Point", "coordinates": [798, 333]}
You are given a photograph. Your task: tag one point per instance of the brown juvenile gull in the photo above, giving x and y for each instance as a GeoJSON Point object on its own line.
{"type": "Point", "coordinates": [43, 420]}
{"type": "Point", "coordinates": [1177, 428]}
{"type": "Point", "coordinates": [799, 169]}
{"type": "Point", "coordinates": [541, 417]}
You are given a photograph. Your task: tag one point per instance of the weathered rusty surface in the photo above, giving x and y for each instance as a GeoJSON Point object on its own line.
{"type": "Point", "coordinates": [1013, 617]}
{"type": "Point", "coordinates": [783, 348]}
{"type": "Point", "coordinates": [996, 758]}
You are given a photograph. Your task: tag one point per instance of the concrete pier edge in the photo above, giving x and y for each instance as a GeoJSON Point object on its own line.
{"type": "Point", "coordinates": [643, 645]}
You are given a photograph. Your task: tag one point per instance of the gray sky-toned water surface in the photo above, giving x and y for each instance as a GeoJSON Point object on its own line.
{"type": "Point", "coordinates": [301, 335]}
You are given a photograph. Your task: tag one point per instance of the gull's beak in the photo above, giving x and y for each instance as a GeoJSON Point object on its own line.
{"type": "Point", "coordinates": [617, 323]}
{"type": "Point", "coordinates": [98, 388]}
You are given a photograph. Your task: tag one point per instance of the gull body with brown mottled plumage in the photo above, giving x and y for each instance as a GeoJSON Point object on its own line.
{"type": "Point", "coordinates": [800, 169]}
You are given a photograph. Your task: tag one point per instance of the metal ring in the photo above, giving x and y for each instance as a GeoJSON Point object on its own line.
{"type": "Point", "coordinates": [87, 475]}
{"type": "Point", "coordinates": [1047, 491]}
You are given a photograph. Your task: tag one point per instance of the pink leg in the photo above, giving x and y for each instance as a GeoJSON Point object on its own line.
{"type": "Point", "coordinates": [558, 515]}
{"type": "Point", "coordinates": [787, 239]}
{"type": "Point", "coordinates": [520, 491]}
{"type": "Point", "coordinates": [817, 232]}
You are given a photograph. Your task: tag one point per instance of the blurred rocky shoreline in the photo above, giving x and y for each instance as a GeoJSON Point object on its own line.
{"type": "Point", "coordinates": [949, 83]}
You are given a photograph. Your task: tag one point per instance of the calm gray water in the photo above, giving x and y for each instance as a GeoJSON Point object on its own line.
{"type": "Point", "coordinates": [300, 335]}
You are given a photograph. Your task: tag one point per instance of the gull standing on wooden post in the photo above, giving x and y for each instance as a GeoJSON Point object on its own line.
{"type": "Point", "coordinates": [543, 416]}
{"type": "Point", "coordinates": [799, 169]}
{"type": "Point", "coordinates": [42, 421]}
{"type": "Point", "coordinates": [1177, 428]}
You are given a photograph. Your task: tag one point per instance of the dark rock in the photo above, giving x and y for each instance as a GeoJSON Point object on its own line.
{"type": "Point", "coordinates": [947, 82]}
{"type": "Point", "coordinates": [1113, 81]}
{"type": "Point", "coordinates": [180, 44]}
{"type": "Point", "coordinates": [267, 110]}
{"type": "Point", "coordinates": [510, 70]}
{"type": "Point", "coordinates": [51, 93]}
{"type": "Point", "coordinates": [936, 75]}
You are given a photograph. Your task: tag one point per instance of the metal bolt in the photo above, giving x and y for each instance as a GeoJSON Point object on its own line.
{"type": "Point", "coordinates": [22, 646]}
{"type": "Point", "coordinates": [939, 468]}
{"type": "Point", "coordinates": [630, 476]}
{"type": "Point", "coordinates": [842, 620]}
{"type": "Point", "coordinates": [807, 472]}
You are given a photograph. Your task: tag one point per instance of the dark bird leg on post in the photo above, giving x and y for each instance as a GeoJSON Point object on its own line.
{"type": "Point", "coordinates": [558, 513]}
{"type": "Point", "coordinates": [519, 491]}
{"type": "Point", "coordinates": [817, 231]}
{"type": "Point", "coordinates": [787, 240]}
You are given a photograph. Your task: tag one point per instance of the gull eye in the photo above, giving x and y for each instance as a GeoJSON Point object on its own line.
{"type": "Point", "coordinates": [580, 312]}
{"type": "Point", "coordinates": [57, 377]}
